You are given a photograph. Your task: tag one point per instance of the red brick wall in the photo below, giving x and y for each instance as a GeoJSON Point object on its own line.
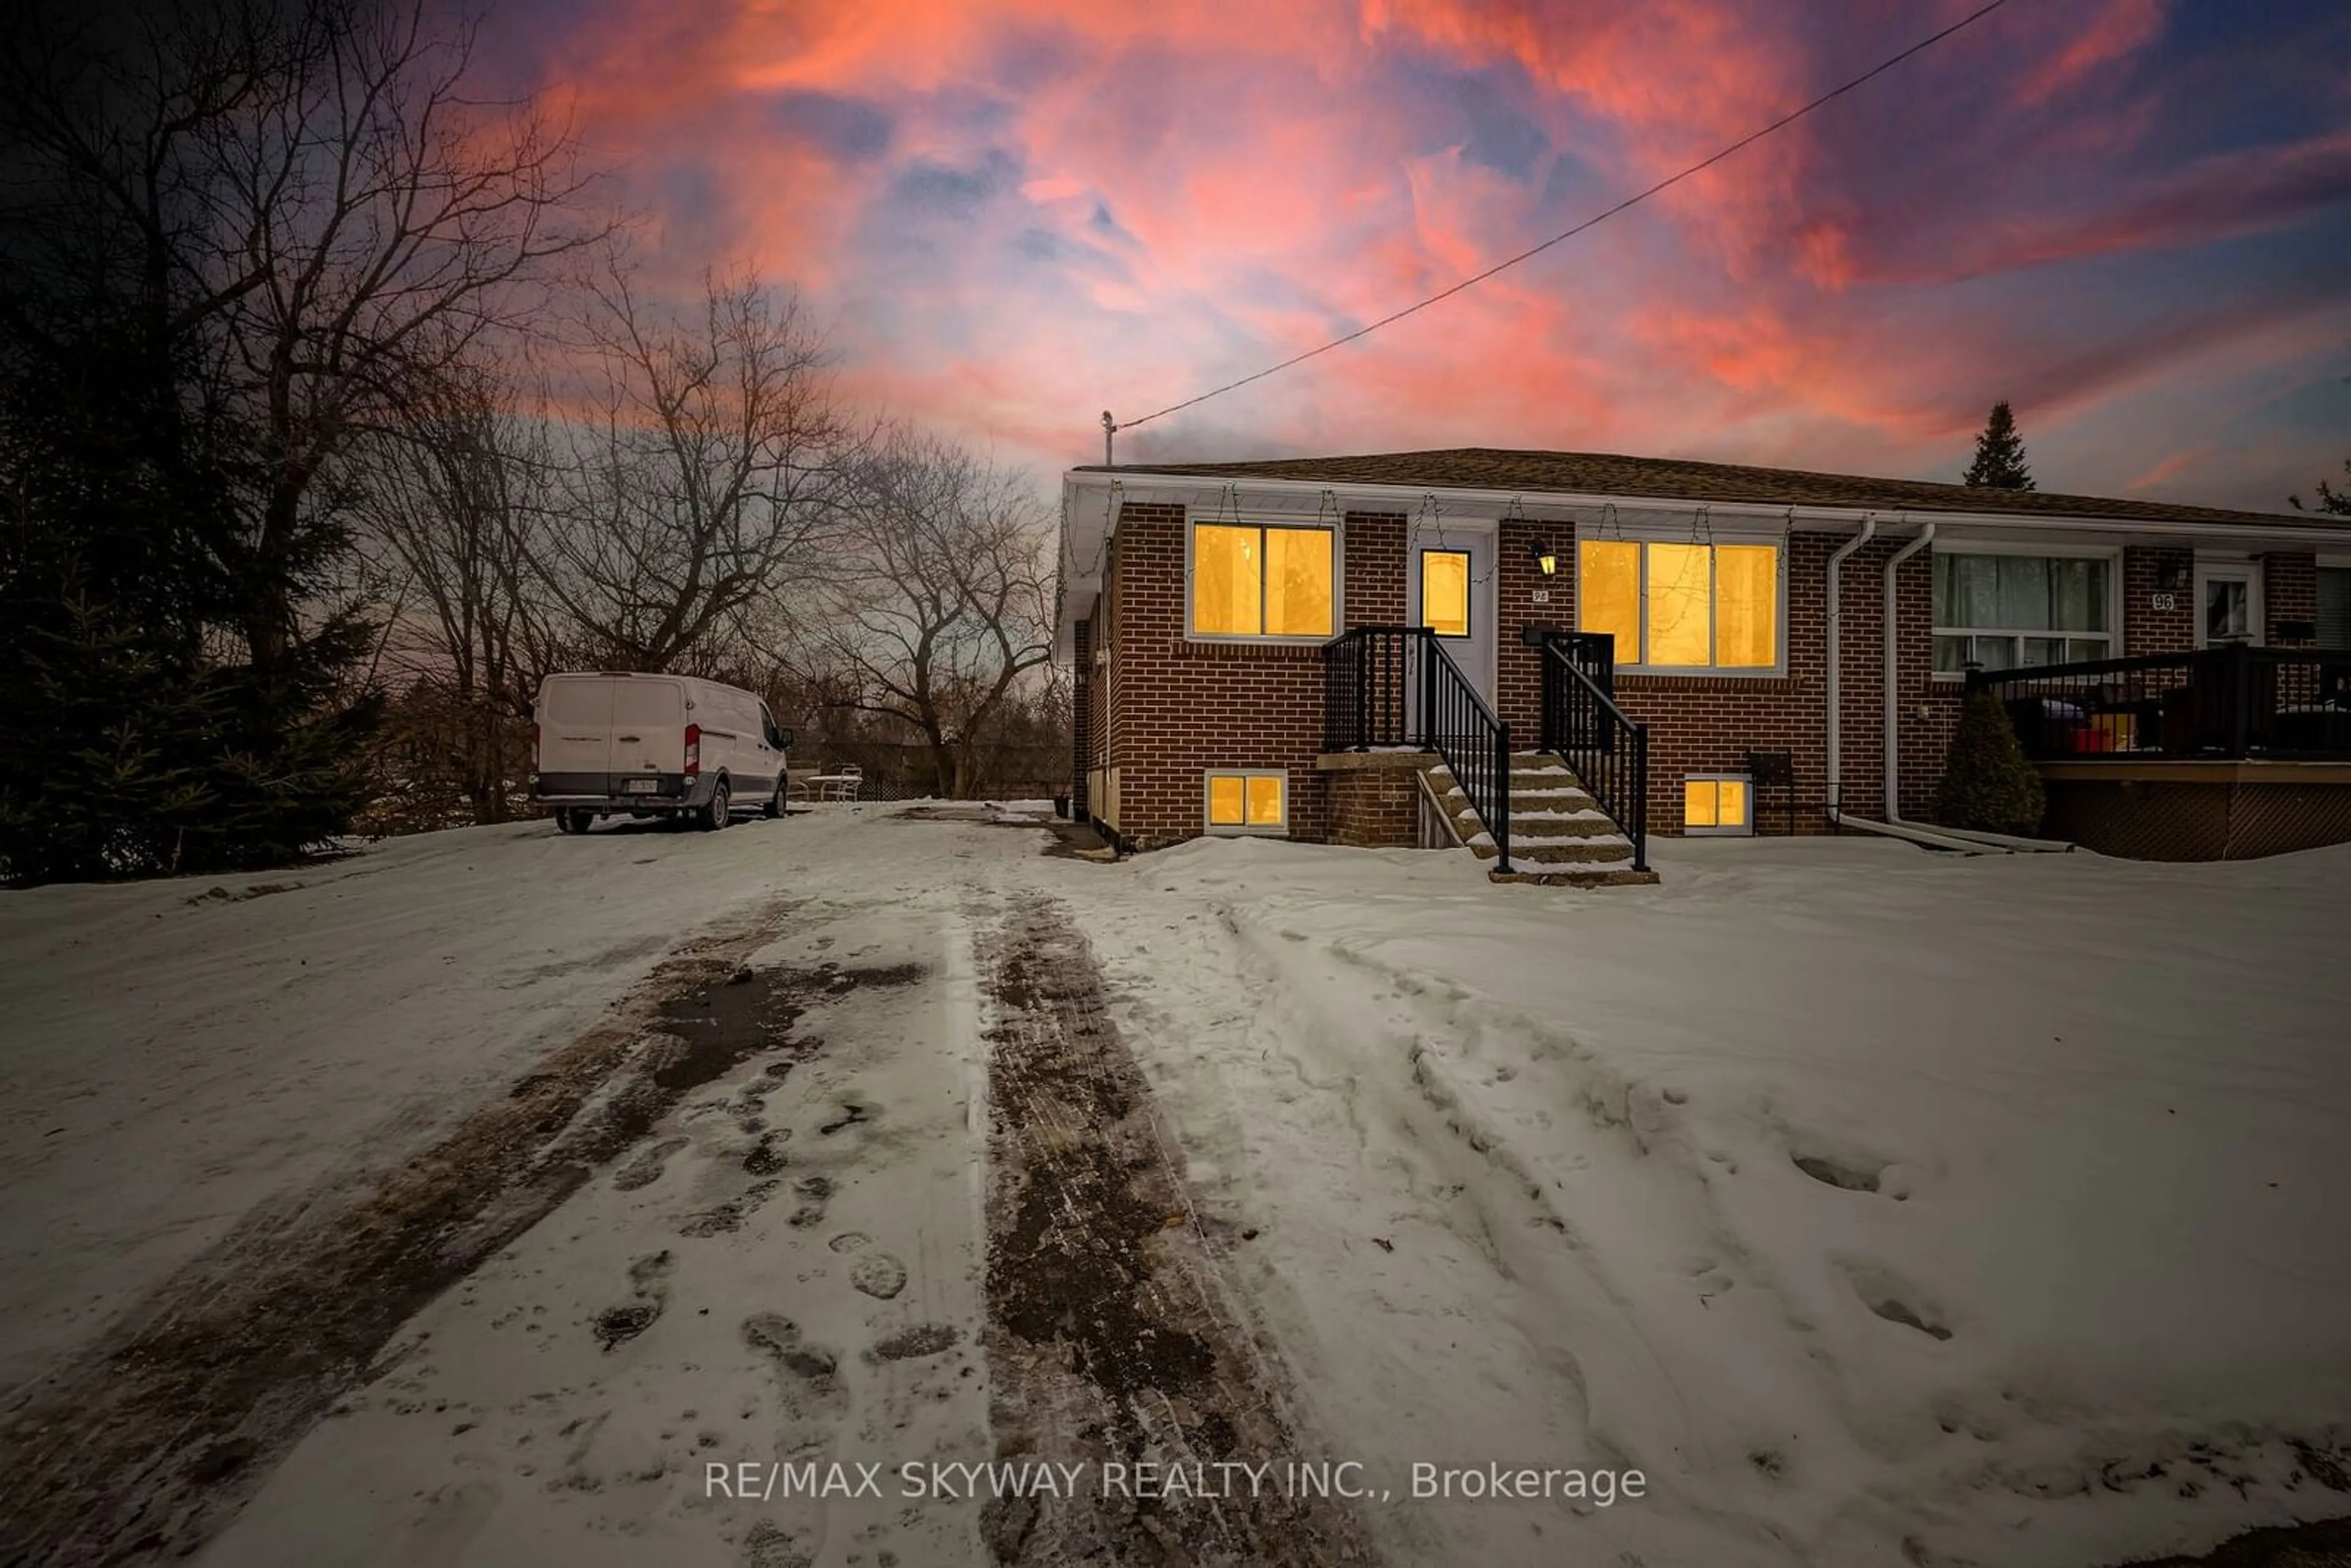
{"type": "Point", "coordinates": [1707, 724]}
{"type": "Point", "coordinates": [1171, 710]}
{"type": "Point", "coordinates": [2145, 629]}
{"type": "Point", "coordinates": [1181, 708]}
{"type": "Point", "coordinates": [1375, 807]}
{"type": "Point", "coordinates": [2289, 593]}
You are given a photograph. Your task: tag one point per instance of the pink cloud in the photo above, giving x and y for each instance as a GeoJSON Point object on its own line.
{"type": "Point", "coordinates": [1177, 195]}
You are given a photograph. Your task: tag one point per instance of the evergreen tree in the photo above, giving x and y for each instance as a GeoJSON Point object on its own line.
{"type": "Point", "coordinates": [1988, 785]}
{"type": "Point", "coordinates": [2330, 499]}
{"type": "Point", "coordinates": [2000, 455]}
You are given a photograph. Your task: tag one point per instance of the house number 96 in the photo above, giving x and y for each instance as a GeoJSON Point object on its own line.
{"type": "Point", "coordinates": [2166, 600]}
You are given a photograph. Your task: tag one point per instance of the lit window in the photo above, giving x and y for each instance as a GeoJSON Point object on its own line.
{"type": "Point", "coordinates": [1681, 612]}
{"type": "Point", "coordinates": [1249, 581]}
{"type": "Point", "coordinates": [1681, 606]}
{"type": "Point", "coordinates": [1245, 802]}
{"type": "Point", "coordinates": [1715, 805]}
{"type": "Point", "coordinates": [1746, 606]}
{"type": "Point", "coordinates": [1445, 591]}
{"type": "Point", "coordinates": [1608, 593]}
{"type": "Point", "coordinates": [2006, 612]}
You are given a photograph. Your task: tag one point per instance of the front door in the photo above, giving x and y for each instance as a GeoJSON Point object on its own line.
{"type": "Point", "coordinates": [1450, 589]}
{"type": "Point", "coordinates": [2228, 602]}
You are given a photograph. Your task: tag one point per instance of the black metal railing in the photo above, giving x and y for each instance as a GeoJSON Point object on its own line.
{"type": "Point", "coordinates": [1460, 727]}
{"type": "Point", "coordinates": [2234, 702]}
{"type": "Point", "coordinates": [1369, 676]}
{"type": "Point", "coordinates": [1580, 721]}
{"type": "Point", "coordinates": [1396, 685]}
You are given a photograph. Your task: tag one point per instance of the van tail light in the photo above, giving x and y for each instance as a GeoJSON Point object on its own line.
{"type": "Point", "coordinates": [693, 750]}
{"type": "Point", "coordinates": [535, 762]}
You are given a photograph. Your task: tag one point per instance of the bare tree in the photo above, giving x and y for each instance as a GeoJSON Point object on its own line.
{"type": "Point", "coordinates": [708, 474]}
{"type": "Point", "coordinates": [318, 205]}
{"type": "Point", "coordinates": [942, 599]}
{"type": "Point", "coordinates": [234, 233]}
{"type": "Point", "coordinates": [450, 500]}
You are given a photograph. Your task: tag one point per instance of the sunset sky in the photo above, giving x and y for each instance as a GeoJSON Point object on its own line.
{"type": "Point", "coordinates": [2130, 218]}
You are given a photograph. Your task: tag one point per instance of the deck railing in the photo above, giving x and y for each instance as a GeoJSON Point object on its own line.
{"type": "Point", "coordinates": [2231, 702]}
{"type": "Point", "coordinates": [1580, 721]}
{"type": "Point", "coordinates": [1396, 685]}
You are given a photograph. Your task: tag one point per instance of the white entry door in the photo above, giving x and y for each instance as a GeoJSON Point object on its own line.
{"type": "Point", "coordinates": [2228, 602]}
{"type": "Point", "coordinates": [1449, 587]}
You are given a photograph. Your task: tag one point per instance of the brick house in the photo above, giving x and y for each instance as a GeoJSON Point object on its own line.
{"type": "Point", "coordinates": [1375, 649]}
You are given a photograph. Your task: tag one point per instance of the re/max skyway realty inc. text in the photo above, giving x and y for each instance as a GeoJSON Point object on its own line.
{"type": "Point", "coordinates": [929, 1479]}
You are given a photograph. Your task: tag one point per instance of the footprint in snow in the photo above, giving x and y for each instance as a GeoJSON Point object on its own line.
{"type": "Point", "coordinates": [1852, 1176]}
{"type": "Point", "coordinates": [1890, 1298]}
{"type": "Point", "coordinates": [728, 1216]}
{"type": "Point", "coordinates": [815, 1192]}
{"type": "Point", "coordinates": [646, 1167]}
{"type": "Point", "coordinates": [877, 1274]}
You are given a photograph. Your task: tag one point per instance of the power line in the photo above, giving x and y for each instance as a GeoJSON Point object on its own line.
{"type": "Point", "coordinates": [1783, 121]}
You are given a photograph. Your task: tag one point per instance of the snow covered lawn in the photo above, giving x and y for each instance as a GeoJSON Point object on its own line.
{"type": "Point", "coordinates": [1878, 1206]}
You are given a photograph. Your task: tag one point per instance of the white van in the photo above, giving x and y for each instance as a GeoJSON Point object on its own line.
{"type": "Point", "coordinates": [646, 745]}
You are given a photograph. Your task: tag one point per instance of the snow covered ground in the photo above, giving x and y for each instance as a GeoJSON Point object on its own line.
{"type": "Point", "coordinates": [1876, 1205]}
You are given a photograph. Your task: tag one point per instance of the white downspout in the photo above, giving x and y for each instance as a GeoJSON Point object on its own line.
{"type": "Point", "coordinates": [1835, 748]}
{"type": "Point", "coordinates": [1836, 754]}
{"type": "Point", "coordinates": [1893, 748]}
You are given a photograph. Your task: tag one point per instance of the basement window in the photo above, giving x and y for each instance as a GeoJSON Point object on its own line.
{"type": "Point", "coordinates": [1252, 801]}
{"type": "Point", "coordinates": [1717, 804]}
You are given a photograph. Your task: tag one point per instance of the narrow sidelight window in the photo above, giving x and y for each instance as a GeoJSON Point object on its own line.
{"type": "Point", "coordinates": [1445, 591]}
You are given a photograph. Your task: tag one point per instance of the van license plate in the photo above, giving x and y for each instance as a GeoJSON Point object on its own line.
{"type": "Point", "coordinates": [639, 786]}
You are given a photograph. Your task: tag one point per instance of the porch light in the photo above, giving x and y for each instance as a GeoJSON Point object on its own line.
{"type": "Point", "coordinates": [1545, 556]}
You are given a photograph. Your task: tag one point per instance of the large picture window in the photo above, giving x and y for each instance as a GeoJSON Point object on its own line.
{"type": "Point", "coordinates": [2009, 611]}
{"type": "Point", "coordinates": [1261, 581]}
{"type": "Point", "coordinates": [1681, 606]}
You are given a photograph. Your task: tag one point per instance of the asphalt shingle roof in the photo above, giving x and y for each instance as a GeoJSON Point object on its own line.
{"type": "Point", "coordinates": [1674, 478]}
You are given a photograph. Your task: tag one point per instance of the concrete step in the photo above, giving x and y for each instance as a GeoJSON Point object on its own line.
{"type": "Point", "coordinates": [1607, 851]}
{"type": "Point", "coordinates": [1545, 830]}
{"type": "Point", "coordinates": [1622, 876]}
{"type": "Point", "coordinates": [1562, 798]}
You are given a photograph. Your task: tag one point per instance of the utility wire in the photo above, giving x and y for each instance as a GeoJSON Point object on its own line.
{"type": "Point", "coordinates": [1782, 123]}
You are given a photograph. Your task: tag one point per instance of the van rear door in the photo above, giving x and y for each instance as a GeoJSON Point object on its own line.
{"type": "Point", "coordinates": [575, 727]}
{"type": "Point", "coordinates": [648, 723]}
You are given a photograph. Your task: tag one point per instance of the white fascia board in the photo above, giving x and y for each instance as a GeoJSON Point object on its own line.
{"type": "Point", "coordinates": [1087, 497]}
{"type": "Point", "coordinates": [1564, 505]}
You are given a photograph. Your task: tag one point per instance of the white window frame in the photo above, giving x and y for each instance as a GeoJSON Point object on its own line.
{"type": "Point", "coordinates": [2112, 555]}
{"type": "Point", "coordinates": [1776, 670]}
{"type": "Point", "coordinates": [1262, 829]}
{"type": "Point", "coordinates": [1193, 521]}
{"type": "Point", "coordinates": [2247, 569]}
{"type": "Point", "coordinates": [1745, 830]}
